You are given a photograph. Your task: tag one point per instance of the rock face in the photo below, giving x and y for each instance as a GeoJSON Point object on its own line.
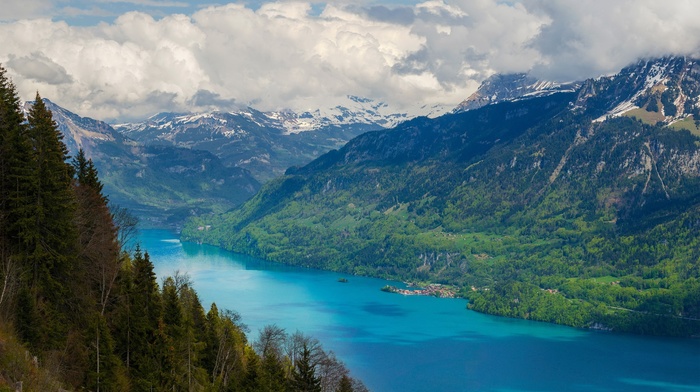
{"type": "Point", "coordinates": [508, 87]}
{"type": "Point", "coordinates": [664, 89]}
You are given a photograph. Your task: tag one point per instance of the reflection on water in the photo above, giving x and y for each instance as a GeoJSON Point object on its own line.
{"type": "Point", "coordinates": [399, 343]}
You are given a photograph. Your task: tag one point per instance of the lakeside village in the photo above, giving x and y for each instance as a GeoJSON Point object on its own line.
{"type": "Point", "coordinates": [435, 290]}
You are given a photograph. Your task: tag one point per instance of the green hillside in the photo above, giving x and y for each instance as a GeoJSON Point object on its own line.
{"type": "Point", "coordinates": [532, 209]}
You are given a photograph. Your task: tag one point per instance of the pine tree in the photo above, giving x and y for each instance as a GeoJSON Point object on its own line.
{"type": "Point", "coordinates": [45, 215]}
{"type": "Point", "coordinates": [104, 375]}
{"type": "Point", "coordinates": [212, 340]}
{"type": "Point", "coordinates": [251, 380]}
{"type": "Point", "coordinates": [272, 377]}
{"type": "Point", "coordinates": [99, 264]}
{"type": "Point", "coordinates": [12, 130]}
{"type": "Point", "coordinates": [122, 314]}
{"type": "Point", "coordinates": [53, 201]}
{"type": "Point", "coordinates": [11, 126]}
{"type": "Point", "coordinates": [304, 374]}
{"type": "Point", "coordinates": [28, 318]}
{"type": "Point", "coordinates": [194, 327]}
{"type": "Point", "coordinates": [86, 174]}
{"type": "Point", "coordinates": [345, 384]}
{"type": "Point", "coordinates": [146, 340]}
{"type": "Point", "coordinates": [172, 336]}
{"type": "Point", "coordinates": [99, 250]}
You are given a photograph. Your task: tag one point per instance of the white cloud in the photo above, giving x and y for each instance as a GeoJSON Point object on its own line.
{"type": "Point", "coordinates": [599, 36]}
{"type": "Point", "coordinates": [285, 55]}
{"type": "Point", "coordinates": [40, 68]}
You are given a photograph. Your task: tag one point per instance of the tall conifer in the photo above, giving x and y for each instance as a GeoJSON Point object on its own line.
{"type": "Point", "coordinates": [146, 315]}
{"type": "Point", "coordinates": [46, 214]}
{"type": "Point", "coordinates": [53, 200]}
{"type": "Point", "coordinates": [304, 374]}
{"type": "Point", "coordinates": [11, 129]}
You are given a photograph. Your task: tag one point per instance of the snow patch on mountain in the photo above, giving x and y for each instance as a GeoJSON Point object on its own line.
{"type": "Point", "coordinates": [512, 87]}
{"type": "Point", "coordinates": [352, 110]}
{"type": "Point", "coordinates": [669, 83]}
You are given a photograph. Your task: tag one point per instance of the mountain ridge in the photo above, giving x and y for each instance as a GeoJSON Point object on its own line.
{"type": "Point", "coordinates": [523, 204]}
{"type": "Point", "coordinates": [267, 143]}
{"type": "Point", "coordinates": [507, 87]}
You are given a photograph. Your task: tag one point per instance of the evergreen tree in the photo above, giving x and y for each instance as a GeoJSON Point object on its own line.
{"type": "Point", "coordinates": [304, 374]}
{"type": "Point", "coordinates": [28, 318]}
{"type": "Point", "coordinates": [51, 238]}
{"type": "Point", "coordinates": [11, 127]}
{"type": "Point", "coordinates": [272, 378]}
{"type": "Point", "coordinates": [194, 329]}
{"type": "Point", "coordinates": [345, 384]}
{"type": "Point", "coordinates": [212, 340]}
{"type": "Point", "coordinates": [171, 337]}
{"type": "Point", "coordinates": [104, 374]}
{"type": "Point", "coordinates": [145, 319]}
{"type": "Point", "coordinates": [122, 314]}
{"type": "Point", "coordinates": [40, 215]}
{"type": "Point", "coordinates": [99, 265]}
{"type": "Point", "coordinates": [86, 173]}
{"type": "Point", "coordinates": [12, 130]}
{"type": "Point", "coordinates": [251, 380]}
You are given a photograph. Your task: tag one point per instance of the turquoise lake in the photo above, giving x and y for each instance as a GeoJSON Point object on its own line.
{"type": "Point", "coordinates": [408, 343]}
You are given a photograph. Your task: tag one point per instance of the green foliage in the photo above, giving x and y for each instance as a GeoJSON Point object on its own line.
{"type": "Point", "coordinates": [304, 374]}
{"type": "Point", "coordinates": [77, 298]}
{"type": "Point", "coordinates": [85, 173]}
{"type": "Point", "coordinates": [512, 199]}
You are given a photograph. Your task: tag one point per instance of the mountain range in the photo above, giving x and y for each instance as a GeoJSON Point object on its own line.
{"type": "Point", "coordinates": [171, 165]}
{"type": "Point", "coordinates": [577, 204]}
{"type": "Point", "coordinates": [267, 143]}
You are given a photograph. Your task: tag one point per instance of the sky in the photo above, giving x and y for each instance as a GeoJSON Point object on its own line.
{"type": "Point", "coordinates": [124, 60]}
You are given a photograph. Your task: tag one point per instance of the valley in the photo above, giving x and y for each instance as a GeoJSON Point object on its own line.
{"type": "Point", "coordinates": [334, 196]}
{"type": "Point", "coordinates": [173, 166]}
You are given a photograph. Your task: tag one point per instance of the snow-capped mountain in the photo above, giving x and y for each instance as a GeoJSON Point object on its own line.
{"type": "Point", "coordinates": [267, 143]}
{"type": "Point", "coordinates": [665, 90]}
{"type": "Point", "coordinates": [353, 111]}
{"type": "Point", "coordinates": [656, 90]}
{"type": "Point", "coordinates": [508, 87]}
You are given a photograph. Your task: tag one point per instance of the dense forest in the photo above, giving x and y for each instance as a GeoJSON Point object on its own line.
{"type": "Point", "coordinates": [80, 308]}
{"type": "Point", "coordinates": [532, 209]}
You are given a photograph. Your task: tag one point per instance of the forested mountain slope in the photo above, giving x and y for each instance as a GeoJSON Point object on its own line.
{"type": "Point", "coordinates": [80, 311]}
{"type": "Point", "coordinates": [531, 207]}
{"type": "Point", "coordinates": [162, 184]}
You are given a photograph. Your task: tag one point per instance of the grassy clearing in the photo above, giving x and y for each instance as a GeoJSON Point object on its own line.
{"type": "Point", "coordinates": [347, 222]}
{"type": "Point", "coordinates": [687, 123]}
{"type": "Point", "coordinates": [605, 279]}
{"type": "Point", "coordinates": [646, 117]}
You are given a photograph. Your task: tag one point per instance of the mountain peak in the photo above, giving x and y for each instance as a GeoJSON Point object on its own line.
{"type": "Point", "coordinates": [665, 90]}
{"type": "Point", "coordinates": [508, 87]}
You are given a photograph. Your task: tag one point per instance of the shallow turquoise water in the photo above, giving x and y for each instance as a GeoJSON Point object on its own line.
{"type": "Point", "coordinates": [398, 343]}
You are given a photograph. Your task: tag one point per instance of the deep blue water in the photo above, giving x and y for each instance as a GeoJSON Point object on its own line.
{"type": "Point", "coordinates": [398, 343]}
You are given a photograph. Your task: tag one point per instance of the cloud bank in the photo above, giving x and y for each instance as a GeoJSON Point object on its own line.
{"type": "Point", "coordinates": [286, 55]}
